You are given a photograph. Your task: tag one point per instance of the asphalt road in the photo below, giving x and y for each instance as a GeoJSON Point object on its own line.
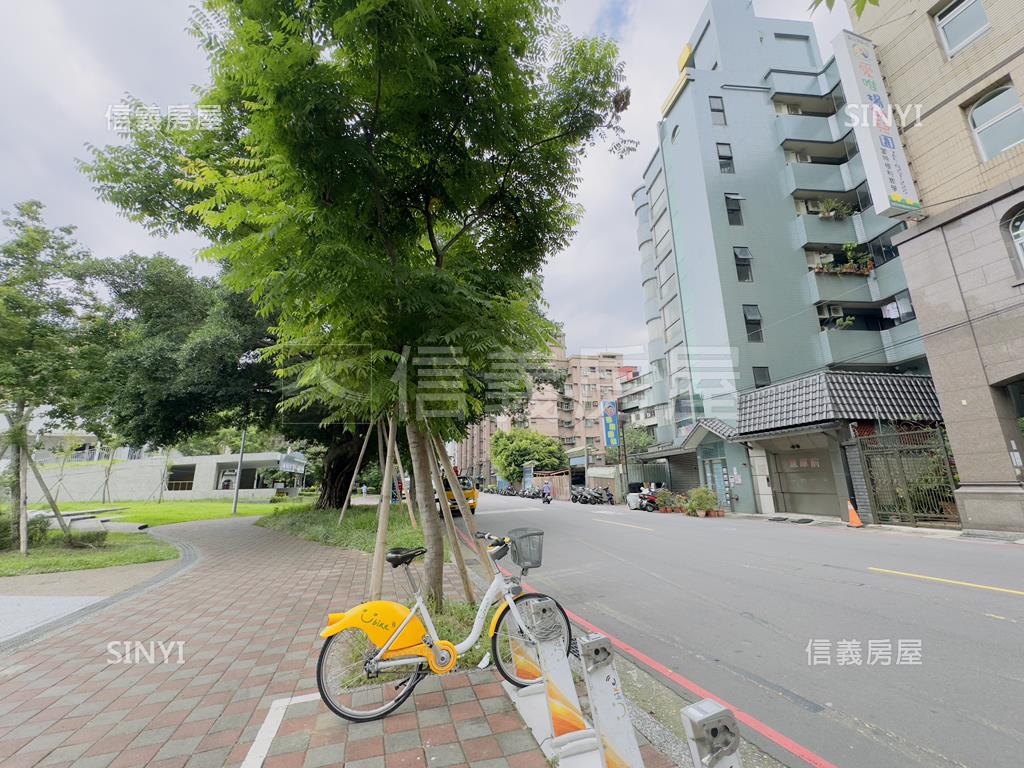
{"type": "Point", "coordinates": [731, 606]}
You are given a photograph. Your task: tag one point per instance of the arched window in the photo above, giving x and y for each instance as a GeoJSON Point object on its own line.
{"type": "Point", "coordinates": [997, 120]}
{"type": "Point", "coordinates": [1017, 235]}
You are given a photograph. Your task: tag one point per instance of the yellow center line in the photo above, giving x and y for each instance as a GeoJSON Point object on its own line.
{"type": "Point", "coordinates": [950, 581]}
{"type": "Point", "coordinates": [624, 525]}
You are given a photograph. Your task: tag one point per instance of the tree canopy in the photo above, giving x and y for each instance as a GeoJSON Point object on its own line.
{"type": "Point", "coordinates": [511, 449]}
{"type": "Point", "coordinates": [387, 182]}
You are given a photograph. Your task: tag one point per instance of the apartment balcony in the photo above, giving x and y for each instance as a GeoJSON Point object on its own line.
{"type": "Point", "coordinates": [868, 225]}
{"type": "Point", "coordinates": [850, 347]}
{"type": "Point", "coordinates": [812, 229]}
{"type": "Point", "coordinates": [803, 83]}
{"type": "Point", "coordinates": [822, 177]}
{"type": "Point", "coordinates": [903, 342]}
{"type": "Point", "coordinates": [836, 289]}
{"type": "Point", "coordinates": [809, 128]}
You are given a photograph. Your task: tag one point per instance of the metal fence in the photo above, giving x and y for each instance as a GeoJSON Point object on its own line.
{"type": "Point", "coordinates": [910, 478]}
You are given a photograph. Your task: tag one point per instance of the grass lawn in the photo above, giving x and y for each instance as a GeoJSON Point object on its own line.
{"type": "Point", "coordinates": [359, 531]}
{"type": "Point", "coordinates": [120, 549]}
{"type": "Point", "coordinates": [168, 512]}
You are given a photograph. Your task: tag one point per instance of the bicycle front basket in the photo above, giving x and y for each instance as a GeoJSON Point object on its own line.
{"type": "Point", "coordinates": [527, 546]}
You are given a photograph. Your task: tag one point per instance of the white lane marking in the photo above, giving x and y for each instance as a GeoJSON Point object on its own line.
{"type": "Point", "coordinates": [265, 737]}
{"type": "Point", "coordinates": [624, 525]}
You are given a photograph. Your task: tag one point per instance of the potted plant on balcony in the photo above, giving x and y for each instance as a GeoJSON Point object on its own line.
{"type": "Point", "coordinates": [859, 257]}
{"type": "Point", "coordinates": [842, 323]}
{"type": "Point", "coordinates": [831, 208]}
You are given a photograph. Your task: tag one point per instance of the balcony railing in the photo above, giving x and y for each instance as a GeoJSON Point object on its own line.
{"type": "Point", "coordinates": [852, 347]}
{"type": "Point", "coordinates": [808, 128]}
{"type": "Point", "coordinates": [821, 177]}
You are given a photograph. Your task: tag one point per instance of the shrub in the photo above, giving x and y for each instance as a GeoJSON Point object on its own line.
{"type": "Point", "coordinates": [7, 541]}
{"type": "Point", "coordinates": [665, 498]}
{"type": "Point", "coordinates": [701, 500]}
{"type": "Point", "coordinates": [38, 530]}
{"type": "Point", "coordinates": [83, 539]}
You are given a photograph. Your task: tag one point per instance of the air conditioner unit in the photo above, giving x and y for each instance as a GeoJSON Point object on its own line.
{"type": "Point", "coordinates": [822, 312]}
{"type": "Point", "coordinates": [835, 310]}
{"type": "Point", "coordinates": [803, 157]}
{"type": "Point", "coordinates": [794, 109]}
{"type": "Point", "coordinates": [812, 206]}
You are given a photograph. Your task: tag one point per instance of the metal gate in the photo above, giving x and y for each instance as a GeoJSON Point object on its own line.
{"type": "Point", "coordinates": [910, 478]}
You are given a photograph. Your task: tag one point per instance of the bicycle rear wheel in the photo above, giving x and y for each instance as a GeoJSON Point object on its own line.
{"type": "Point", "coordinates": [346, 688]}
{"type": "Point", "coordinates": [514, 656]}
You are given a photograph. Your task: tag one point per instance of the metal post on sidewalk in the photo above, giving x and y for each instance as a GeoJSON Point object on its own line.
{"type": "Point", "coordinates": [574, 743]}
{"type": "Point", "coordinates": [608, 705]}
{"type": "Point", "coordinates": [713, 735]}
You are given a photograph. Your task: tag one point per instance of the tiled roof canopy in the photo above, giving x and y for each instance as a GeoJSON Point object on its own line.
{"type": "Point", "coordinates": [839, 395]}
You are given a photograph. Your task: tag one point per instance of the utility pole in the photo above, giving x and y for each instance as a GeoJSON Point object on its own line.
{"type": "Point", "coordinates": [238, 471]}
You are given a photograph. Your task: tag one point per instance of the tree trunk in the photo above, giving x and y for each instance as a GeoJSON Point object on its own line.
{"type": "Point", "coordinates": [23, 494]}
{"type": "Point", "coordinates": [339, 466]}
{"type": "Point", "coordinates": [432, 535]}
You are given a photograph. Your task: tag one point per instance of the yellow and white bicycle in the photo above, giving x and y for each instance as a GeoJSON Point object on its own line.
{"type": "Point", "coordinates": [376, 653]}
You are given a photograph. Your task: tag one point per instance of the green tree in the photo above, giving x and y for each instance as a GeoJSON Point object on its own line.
{"type": "Point", "coordinates": [636, 439]}
{"type": "Point", "coordinates": [511, 449]}
{"type": "Point", "coordinates": [390, 176]}
{"type": "Point", "coordinates": [857, 6]}
{"type": "Point", "coordinates": [47, 352]}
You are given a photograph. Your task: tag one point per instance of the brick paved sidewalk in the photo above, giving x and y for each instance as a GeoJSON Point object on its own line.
{"type": "Point", "coordinates": [248, 615]}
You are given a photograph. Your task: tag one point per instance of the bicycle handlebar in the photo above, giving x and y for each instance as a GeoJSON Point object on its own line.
{"type": "Point", "coordinates": [491, 537]}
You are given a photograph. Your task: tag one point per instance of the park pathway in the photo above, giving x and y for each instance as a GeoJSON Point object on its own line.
{"type": "Point", "coordinates": [247, 617]}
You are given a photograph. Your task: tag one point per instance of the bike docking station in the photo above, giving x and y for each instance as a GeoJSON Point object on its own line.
{"type": "Point", "coordinates": [551, 707]}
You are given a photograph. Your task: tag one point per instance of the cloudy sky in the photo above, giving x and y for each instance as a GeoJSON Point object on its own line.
{"type": "Point", "coordinates": [67, 61]}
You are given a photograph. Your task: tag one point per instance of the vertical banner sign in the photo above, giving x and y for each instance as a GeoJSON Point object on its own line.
{"type": "Point", "coordinates": [610, 424]}
{"type": "Point", "coordinates": [871, 114]}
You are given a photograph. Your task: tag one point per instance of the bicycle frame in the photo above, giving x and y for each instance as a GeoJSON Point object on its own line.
{"type": "Point", "coordinates": [507, 586]}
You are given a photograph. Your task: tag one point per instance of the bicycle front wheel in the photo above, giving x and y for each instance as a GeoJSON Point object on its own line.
{"type": "Point", "coordinates": [514, 655]}
{"type": "Point", "coordinates": [346, 688]}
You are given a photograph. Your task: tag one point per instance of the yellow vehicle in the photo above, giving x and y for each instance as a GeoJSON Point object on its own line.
{"type": "Point", "coordinates": [468, 489]}
{"type": "Point", "coordinates": [375, 654]}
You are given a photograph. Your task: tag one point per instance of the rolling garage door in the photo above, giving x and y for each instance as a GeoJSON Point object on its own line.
{"type": "Point", "coordinates": [805, 484]}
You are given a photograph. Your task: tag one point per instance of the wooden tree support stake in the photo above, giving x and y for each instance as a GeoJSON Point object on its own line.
{"type": "Point", "coordinates": [359, 465]}
{"type": "Point", "coordinates": [449, 522]}
{"type": "Point", "coordinates": [383, 512]}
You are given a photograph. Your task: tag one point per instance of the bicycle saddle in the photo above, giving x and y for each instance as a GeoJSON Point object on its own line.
{"type": "Point", "coordinates": [400, 556]}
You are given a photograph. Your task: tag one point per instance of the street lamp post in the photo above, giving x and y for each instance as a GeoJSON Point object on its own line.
{"type": "Point", "coordinates": [238, 472]}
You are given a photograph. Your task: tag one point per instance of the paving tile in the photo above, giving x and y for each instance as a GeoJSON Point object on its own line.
{"type": "Point", "coordinates": [248, 613]}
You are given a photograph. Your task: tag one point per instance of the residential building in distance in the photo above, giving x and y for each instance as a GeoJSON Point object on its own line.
{"type": "Point", "coordinates": [764, 258]}
{"type": "Point", "coordinates": [571, 413]}
{"type": "Point", "coordinates": [960, 64]}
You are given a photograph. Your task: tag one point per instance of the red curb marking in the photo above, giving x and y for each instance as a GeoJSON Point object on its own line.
{"type": "Point", "coordinates": [747, 719]}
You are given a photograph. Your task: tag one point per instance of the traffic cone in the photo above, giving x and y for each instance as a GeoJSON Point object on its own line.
{"type": "Point", "coordinates": [854, 517]}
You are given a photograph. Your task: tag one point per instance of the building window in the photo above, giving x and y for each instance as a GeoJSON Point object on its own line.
{"type": "Point", "coordinates": [744, 268]}
{"type": "Point", "coordinates": [997, 120]}
{"type": "Point", "coordinates": [1017, 234]}
{"type": "Point", "coordinates": [725, 164]}
{"type": "Point", "coordinates": [568, 441]}
{"type": "Point", "coordinates": [904, 307]}
{"type": "Point", "coordinates": [752, 318]}
{"type": "Point", "coordinates": [717, 110]}
{"type": "Point", "coordinates": [762, 378]}
{"type": "Point", "coordinates": [959, 23]}
{"type": "Point", "coordinates": [733, 209]}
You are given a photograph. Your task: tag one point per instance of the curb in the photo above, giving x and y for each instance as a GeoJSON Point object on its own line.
{"type": "Point", "coordinates": [190, 556]}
